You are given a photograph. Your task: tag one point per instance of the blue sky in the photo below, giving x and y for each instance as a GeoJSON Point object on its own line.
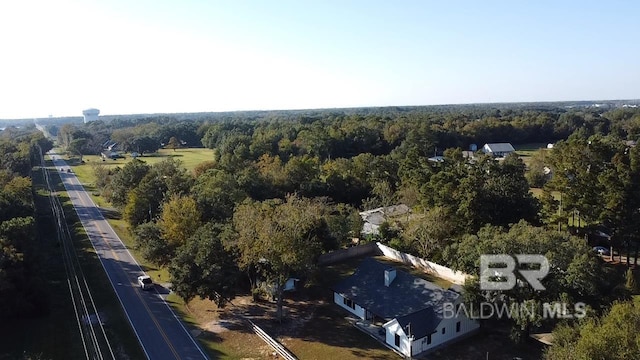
{"type": "Point", "coordinates": [155, 56]}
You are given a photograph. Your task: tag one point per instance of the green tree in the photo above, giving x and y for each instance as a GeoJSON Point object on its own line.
{"type": "Point", "coordinates": [535, 174]}
{"type": "Point", "coordinates": [174, 143]}
{"type": "Point", "coordinates": [481, 192]}
{"type": "Point", "coordinates": [76, 146]}
{"type": "Point", "coordinates": [575, 273]}
{"type": "Point", "coordinates": [102, 175]}
{"type": "Point", "coordinates": [180, 218]}
{"type": "Point", "coordinates": [145, 144]}
{"type": "Point", "coordinates": [177, 179]}
{"type": "Point", "coordinates": [612, 337]}
{"type": "Point", "coordinates": [204, 267]}
{"type": "Point", "coordinates": [282, 238]}
{"type": "Point", "coordinates": [144, 202]}
{"type": "Point", "coordinates": [126, 179]}
{"type": "Point", "coordinates": [65, 135]}
{"type": "Point", "coordinates": [152, 244]}
{"type": "Point", "coordinates": [216, 193]}
{"type": "Point", "coordinates": [430, 233]}
{"type": "Point", "coordinates": [202, 167]}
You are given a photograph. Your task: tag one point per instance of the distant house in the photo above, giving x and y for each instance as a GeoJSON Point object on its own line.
{"type": "Point", "coordinates": [107, 154]}
{"type": "Point", "coordinates": [109, 150]}
{"type": "Point", "coordinates": [411, 309]}
{"type": "Point", "coordinates": [375, 217]}
{"type": "Point", "coordinates": [498, 149]}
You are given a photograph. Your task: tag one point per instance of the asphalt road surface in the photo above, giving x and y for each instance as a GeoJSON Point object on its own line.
{"type": "Point", "coordinates": [160, 332]}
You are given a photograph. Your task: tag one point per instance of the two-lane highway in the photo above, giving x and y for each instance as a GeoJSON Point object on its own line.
{"type": "Point", "coordinates": [160, 332]}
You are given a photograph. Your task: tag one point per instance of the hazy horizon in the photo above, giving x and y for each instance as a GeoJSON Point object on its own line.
{"type": "Point", "coordinates": [634, 102]}
{"type": "Point", "coordinates": [151, 57]}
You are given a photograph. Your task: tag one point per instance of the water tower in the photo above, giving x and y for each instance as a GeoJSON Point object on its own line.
{"type": "Point", "coordinates": [90, 115]}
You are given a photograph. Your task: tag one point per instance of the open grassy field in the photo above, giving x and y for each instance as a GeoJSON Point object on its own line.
{"type": "Point", "coordinates": [190, 157]}
{"type": "Point", "coordinates": [525, 151]}
{"type": "Point", "coordinates": [529, 147]}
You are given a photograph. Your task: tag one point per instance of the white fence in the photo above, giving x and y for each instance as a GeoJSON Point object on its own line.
{"type": "Point", "coordinates": [456, 277]}
{"type": "Point", "coordinates": [279, 348]}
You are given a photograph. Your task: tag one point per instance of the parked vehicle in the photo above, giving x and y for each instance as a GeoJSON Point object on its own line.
{"type": "Point", "coordinates": [601, 250]}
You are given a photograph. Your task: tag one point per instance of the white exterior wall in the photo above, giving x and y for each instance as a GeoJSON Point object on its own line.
{"type": "Point", "coordinates": [358, 311]}
{"type": "Point", "coordinates": [466, 326]}
{"type": "Point", "coordinates": [486, 149]}
{"type": "Point", "coordinates": [392, 328]}
{"type": "Point", "coordinates": [418, 346]}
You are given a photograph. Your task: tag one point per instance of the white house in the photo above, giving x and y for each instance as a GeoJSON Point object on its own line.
{"type": "Point", "coordinates": [411, 309]}
{"type": "Point", "coordinates": [375, 217]}
{"type": "Point", "coordinates": [498, 149]}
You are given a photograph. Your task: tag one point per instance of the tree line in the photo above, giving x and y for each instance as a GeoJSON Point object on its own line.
{"type": "Point", "coordinates": [281, 190]}
{"type": "Point", "coordinates": [22, 292]}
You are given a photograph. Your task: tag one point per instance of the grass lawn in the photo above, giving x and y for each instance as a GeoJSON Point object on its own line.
{"type": "Point", "coordinates": [318, 329]}
{"type": "Point", "coordinates": [328, 335]}
{"type": "Point", "coordinates": [222, 335]}
{"type": "Point", "coordinates": [529, 147]}
{"type": "Point", "coordinates": [190, 157]}
{"type": "Point", "coordinates": [525, 151]}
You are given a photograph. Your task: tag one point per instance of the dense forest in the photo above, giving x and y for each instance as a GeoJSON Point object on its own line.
{"type": "Point", "coordinates": [21, 290]}
{"type": "Point", "coordinates": [284, 187]}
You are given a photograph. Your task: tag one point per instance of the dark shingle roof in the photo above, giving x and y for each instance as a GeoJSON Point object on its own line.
{"type": "Point", "coordinates": [406, 295]}
{"type": "Point", "coordinates": [420, 324]}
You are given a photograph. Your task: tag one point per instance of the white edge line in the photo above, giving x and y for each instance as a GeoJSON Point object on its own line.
{"type": "Point", "coordinates": [102, 262]}
{"type": "Point", "coordinates": [139, 267]}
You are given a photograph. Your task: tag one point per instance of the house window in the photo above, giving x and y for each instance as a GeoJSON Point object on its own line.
{"type": "Point", "coordinates": [443, 329]}
{"type": "Point", "coordinates": [458, 326]}
{"type": "Point", "coordinates": [397, 340]}
{"type": "Point", "coordinates": [349, 303]}
{"type": "Point", "coordinates": [429, 339]}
